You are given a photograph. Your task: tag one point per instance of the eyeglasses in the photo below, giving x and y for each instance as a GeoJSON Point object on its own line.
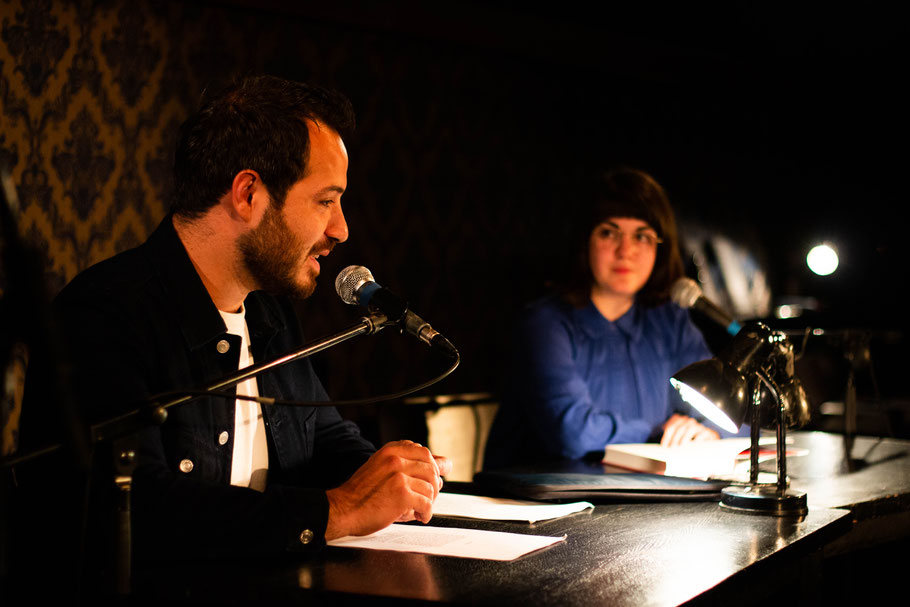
{"type": "Point", "coordinates": [613, 237]}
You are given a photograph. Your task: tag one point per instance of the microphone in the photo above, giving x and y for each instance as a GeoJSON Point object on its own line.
{"type": "Point", "coordinates": [686, 293]}
{"type": "Point", "coordinates": [355, 285]}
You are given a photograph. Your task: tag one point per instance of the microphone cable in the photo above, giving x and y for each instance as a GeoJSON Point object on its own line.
{"type": "Point", "coordinates": [267, 400]}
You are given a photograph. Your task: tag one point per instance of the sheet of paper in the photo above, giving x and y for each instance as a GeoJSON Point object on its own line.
{"type": "Point", "coordinates": [446, 541]}
{"type": "Point", "coordinates": [498, 509]}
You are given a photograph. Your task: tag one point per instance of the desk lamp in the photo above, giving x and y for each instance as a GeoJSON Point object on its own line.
{"type": "Point", "coordinates": [728, 387]}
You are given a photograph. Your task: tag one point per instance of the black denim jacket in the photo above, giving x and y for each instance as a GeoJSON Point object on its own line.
{"type": "Point", "coordinates": [141, 324]}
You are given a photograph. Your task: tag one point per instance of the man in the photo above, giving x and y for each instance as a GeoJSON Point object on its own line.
{"type": "Point", "coordinates": [260, 171]}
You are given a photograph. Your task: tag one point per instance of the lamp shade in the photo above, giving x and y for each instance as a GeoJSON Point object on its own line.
{"type": "Point", "coordinates": [755, 351]}
{"type": "Point", "coordinates": [717, 390]}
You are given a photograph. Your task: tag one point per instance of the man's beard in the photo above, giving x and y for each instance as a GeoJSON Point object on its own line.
{"type": "Point", "coordinates": [272, 253]}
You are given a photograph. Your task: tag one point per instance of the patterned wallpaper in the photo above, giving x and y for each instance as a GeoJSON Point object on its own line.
{"type": "Point", "coordinates": [440, 209]}
{"type": "Point", "coordinates": [86, 122]}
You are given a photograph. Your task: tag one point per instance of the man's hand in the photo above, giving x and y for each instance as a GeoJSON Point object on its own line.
{"type": "Point", "coordinates": [398, 483]}
{"type": "Point", "coordinates": [680, 429]}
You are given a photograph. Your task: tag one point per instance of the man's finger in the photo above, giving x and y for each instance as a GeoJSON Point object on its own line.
{"type": "Point", "coordinates": [444, 464]}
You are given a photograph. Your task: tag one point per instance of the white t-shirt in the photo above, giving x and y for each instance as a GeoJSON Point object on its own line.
{"type": "Point", "coordinates": [250, 462]}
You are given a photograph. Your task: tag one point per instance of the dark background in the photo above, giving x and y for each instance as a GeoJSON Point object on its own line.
{"type": "Point", "coordinates": [773, 125]}
{"type": "Point", "coordinates": [776, 128]}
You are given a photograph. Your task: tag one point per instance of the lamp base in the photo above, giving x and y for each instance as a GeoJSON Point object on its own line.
{"type": "Point", "coordinates": [763, 499]}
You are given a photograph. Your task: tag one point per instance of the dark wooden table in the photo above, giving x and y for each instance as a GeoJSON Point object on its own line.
{"type": "Point", "coordinates": [657, 554]}
{"type": "Point", "coordinates": [870, 476]}
{"type": "Point", "coordinates": [617, 554]}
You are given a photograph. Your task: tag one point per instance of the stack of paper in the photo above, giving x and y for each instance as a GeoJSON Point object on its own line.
{"type": "Point", "coordinates": [469, 543]}
{"type": "Point", "coordinates": [498, 509]}
{"type": "Point", "coordinates": [446, 541]}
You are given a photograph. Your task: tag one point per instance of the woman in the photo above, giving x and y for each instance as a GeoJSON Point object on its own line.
{"type": "Point", "coordinates": [592, 364]}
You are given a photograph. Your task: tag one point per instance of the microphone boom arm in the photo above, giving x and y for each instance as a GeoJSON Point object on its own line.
{"type": "Point", "coordinates": [157, 412]}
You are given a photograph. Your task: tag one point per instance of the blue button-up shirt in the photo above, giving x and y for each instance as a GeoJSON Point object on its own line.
{"type": "Point", "coordinates": [579, 381]}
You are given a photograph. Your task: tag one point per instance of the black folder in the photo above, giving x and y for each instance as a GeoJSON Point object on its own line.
{"type": "Point", "coordinates": [596, 486]}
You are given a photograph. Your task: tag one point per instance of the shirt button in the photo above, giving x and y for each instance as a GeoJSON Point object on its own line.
{"type": "Point", "coordinates": [306, 536]}
{"type": "Point", "coordinates": [223, 346]}
{"type": "Point", "coordinates": [223, 438]}
{"type": "Point", "coordinates": [186, 465]}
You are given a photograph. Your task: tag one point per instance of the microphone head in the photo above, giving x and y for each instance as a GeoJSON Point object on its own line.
{"type": "Point", "coordinates": [685, 292]}
{"type": "Point", "coordinates": [349, 281]}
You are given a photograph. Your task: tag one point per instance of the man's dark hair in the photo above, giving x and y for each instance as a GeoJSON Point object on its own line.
{"type": "Point", "coordinates": [627, 192]}
{"type": "Point", "coordinates": [256, 123]}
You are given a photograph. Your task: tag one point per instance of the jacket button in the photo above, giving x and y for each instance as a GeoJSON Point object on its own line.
{"type": "Point", "coordinates": [306, 536]}
{"type": "Point", "coordinates": [223, 438]}
{"type": "Point", "coordinates": [186, 465]}
{"type": "Point", "coordinates": [223, 346]}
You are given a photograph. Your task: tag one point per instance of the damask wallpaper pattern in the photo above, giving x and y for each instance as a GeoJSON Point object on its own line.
{"type": "Point", "coordinates": [439, 204]}
{"type": "Point", "coordinates": [91, 94]}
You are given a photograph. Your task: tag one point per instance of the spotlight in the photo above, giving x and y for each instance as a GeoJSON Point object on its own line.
{"type": "Point", "coordinates": [822, 259]}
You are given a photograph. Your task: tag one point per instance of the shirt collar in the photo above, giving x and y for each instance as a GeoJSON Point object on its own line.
{"type": "Point", "coordinates": [592, 322]}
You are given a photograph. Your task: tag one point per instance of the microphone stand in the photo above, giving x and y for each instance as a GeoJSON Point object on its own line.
{"type": "Point", "coordinates": [122, 432]}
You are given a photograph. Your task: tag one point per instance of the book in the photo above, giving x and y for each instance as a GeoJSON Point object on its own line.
{"type": "Point", "coordinates": [709, 459]}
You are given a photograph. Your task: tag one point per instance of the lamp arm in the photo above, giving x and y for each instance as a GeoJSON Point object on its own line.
{"type": "Point", "coordinates": [782, 365]}
{"type": "Point", "coordinates": [772, 385]}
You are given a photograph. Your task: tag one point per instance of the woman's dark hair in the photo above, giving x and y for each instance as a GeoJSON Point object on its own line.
{"type": "Point", "coordinates": [626, 192]}
{"type": "Point", "coordinates": [256, 123]}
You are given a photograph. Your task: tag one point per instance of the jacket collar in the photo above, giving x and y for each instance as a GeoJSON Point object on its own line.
{"type": "Point", "coordinates": [199, 320]}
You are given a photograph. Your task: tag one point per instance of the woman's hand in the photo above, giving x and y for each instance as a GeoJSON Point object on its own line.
{"type": "Point", "coordinates": [681, 429]}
